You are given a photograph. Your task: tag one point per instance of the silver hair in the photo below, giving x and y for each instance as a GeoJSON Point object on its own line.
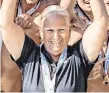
{"type": "Point", "coordinates": [55, 10]}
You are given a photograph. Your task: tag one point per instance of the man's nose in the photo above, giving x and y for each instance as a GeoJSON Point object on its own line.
{"type": "Point", "coordinates": [56, 35]}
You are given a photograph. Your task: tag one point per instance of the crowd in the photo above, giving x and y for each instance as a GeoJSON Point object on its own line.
{"type": "Point", "coordinates": [54, 45]}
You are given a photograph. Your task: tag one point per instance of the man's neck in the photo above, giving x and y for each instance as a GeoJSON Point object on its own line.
{"type": "Point", "coordinates": [55, 58]}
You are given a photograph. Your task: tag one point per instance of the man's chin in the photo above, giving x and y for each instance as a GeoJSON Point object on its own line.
{"type": "Point", "coordinates": [55, 52]}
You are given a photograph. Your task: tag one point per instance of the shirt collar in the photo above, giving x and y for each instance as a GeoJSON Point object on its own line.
{"type": "Point", "coordinates": [47, 55]}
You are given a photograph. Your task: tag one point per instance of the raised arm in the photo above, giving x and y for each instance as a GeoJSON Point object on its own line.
{"type": "Point", "coordinates": [12, 34]}
{"type": "Point", "coordinates": [69, 5]}
{"type": "Point", "coordinates": [95, 34]}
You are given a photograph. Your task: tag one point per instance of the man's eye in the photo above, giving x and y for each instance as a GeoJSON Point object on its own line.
{"type": "Point", "coordinates": [50, 30]}
{"type": "Point", "coordinates": [61, 30]}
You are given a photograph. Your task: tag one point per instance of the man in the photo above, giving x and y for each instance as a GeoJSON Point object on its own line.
{"type": "Point", "coordinates": [24, 20]}
{"type": "Point", "coordinates": [39, 63]}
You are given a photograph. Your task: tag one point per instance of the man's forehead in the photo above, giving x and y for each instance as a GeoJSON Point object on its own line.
{"type": "Point", "coordinates": [55, 21]}
{"type": "Point", "coordinates": [87, 0]}
{"type": "Point", "coordinates": [56, 15]}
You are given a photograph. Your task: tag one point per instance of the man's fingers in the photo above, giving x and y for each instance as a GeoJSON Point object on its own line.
{"type": "Point", "coordinates": [26, 17]}
{"type": "Point", "coordinates": [29, 25]}
{"type": "Point", "coordinates": [97, 68]}
{"type": "Point", "coordinates": [25, 24]}
{"type": "Point", "coordinates": [20, 20]}
{"type": "Point", "coordinates": [100, 61]}
{"type": "Point", "coordinates": [103, 59]}
{"type": "Point", "coordinates": [95, 77]}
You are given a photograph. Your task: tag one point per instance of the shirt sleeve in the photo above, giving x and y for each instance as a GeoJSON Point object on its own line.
{"type": "Point", "coordinates": [28, 47]}
{"type": "Point", "coordinates": [85, 62]}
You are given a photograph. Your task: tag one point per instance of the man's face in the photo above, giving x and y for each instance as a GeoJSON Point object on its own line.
{"type": "Point", "coordinates": [55, 34]}
{"type": "Point", "coordinates": [31, 1]}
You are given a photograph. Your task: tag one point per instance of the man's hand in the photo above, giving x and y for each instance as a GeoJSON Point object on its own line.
{"type": "Point", "coordinates": [24, 21]}
{"type": "Point", "coordinates": [95, 79]}
{"type": "Point", "coordinates": [97, 70]}
{"type": "Point", "coordinates": [79, 22]}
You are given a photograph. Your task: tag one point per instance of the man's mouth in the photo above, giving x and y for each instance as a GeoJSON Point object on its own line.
{"type": "Point", "coordinates": [56, 42]}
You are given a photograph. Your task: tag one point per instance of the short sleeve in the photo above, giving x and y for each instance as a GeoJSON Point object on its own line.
{"type": "Point", "coordinates": [85, 62]}
{"type": "Point", "coordinates": [28, 47]}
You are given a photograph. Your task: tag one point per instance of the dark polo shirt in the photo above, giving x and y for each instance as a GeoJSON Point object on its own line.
{"type": "Point", "coordinates": [71, 77]}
